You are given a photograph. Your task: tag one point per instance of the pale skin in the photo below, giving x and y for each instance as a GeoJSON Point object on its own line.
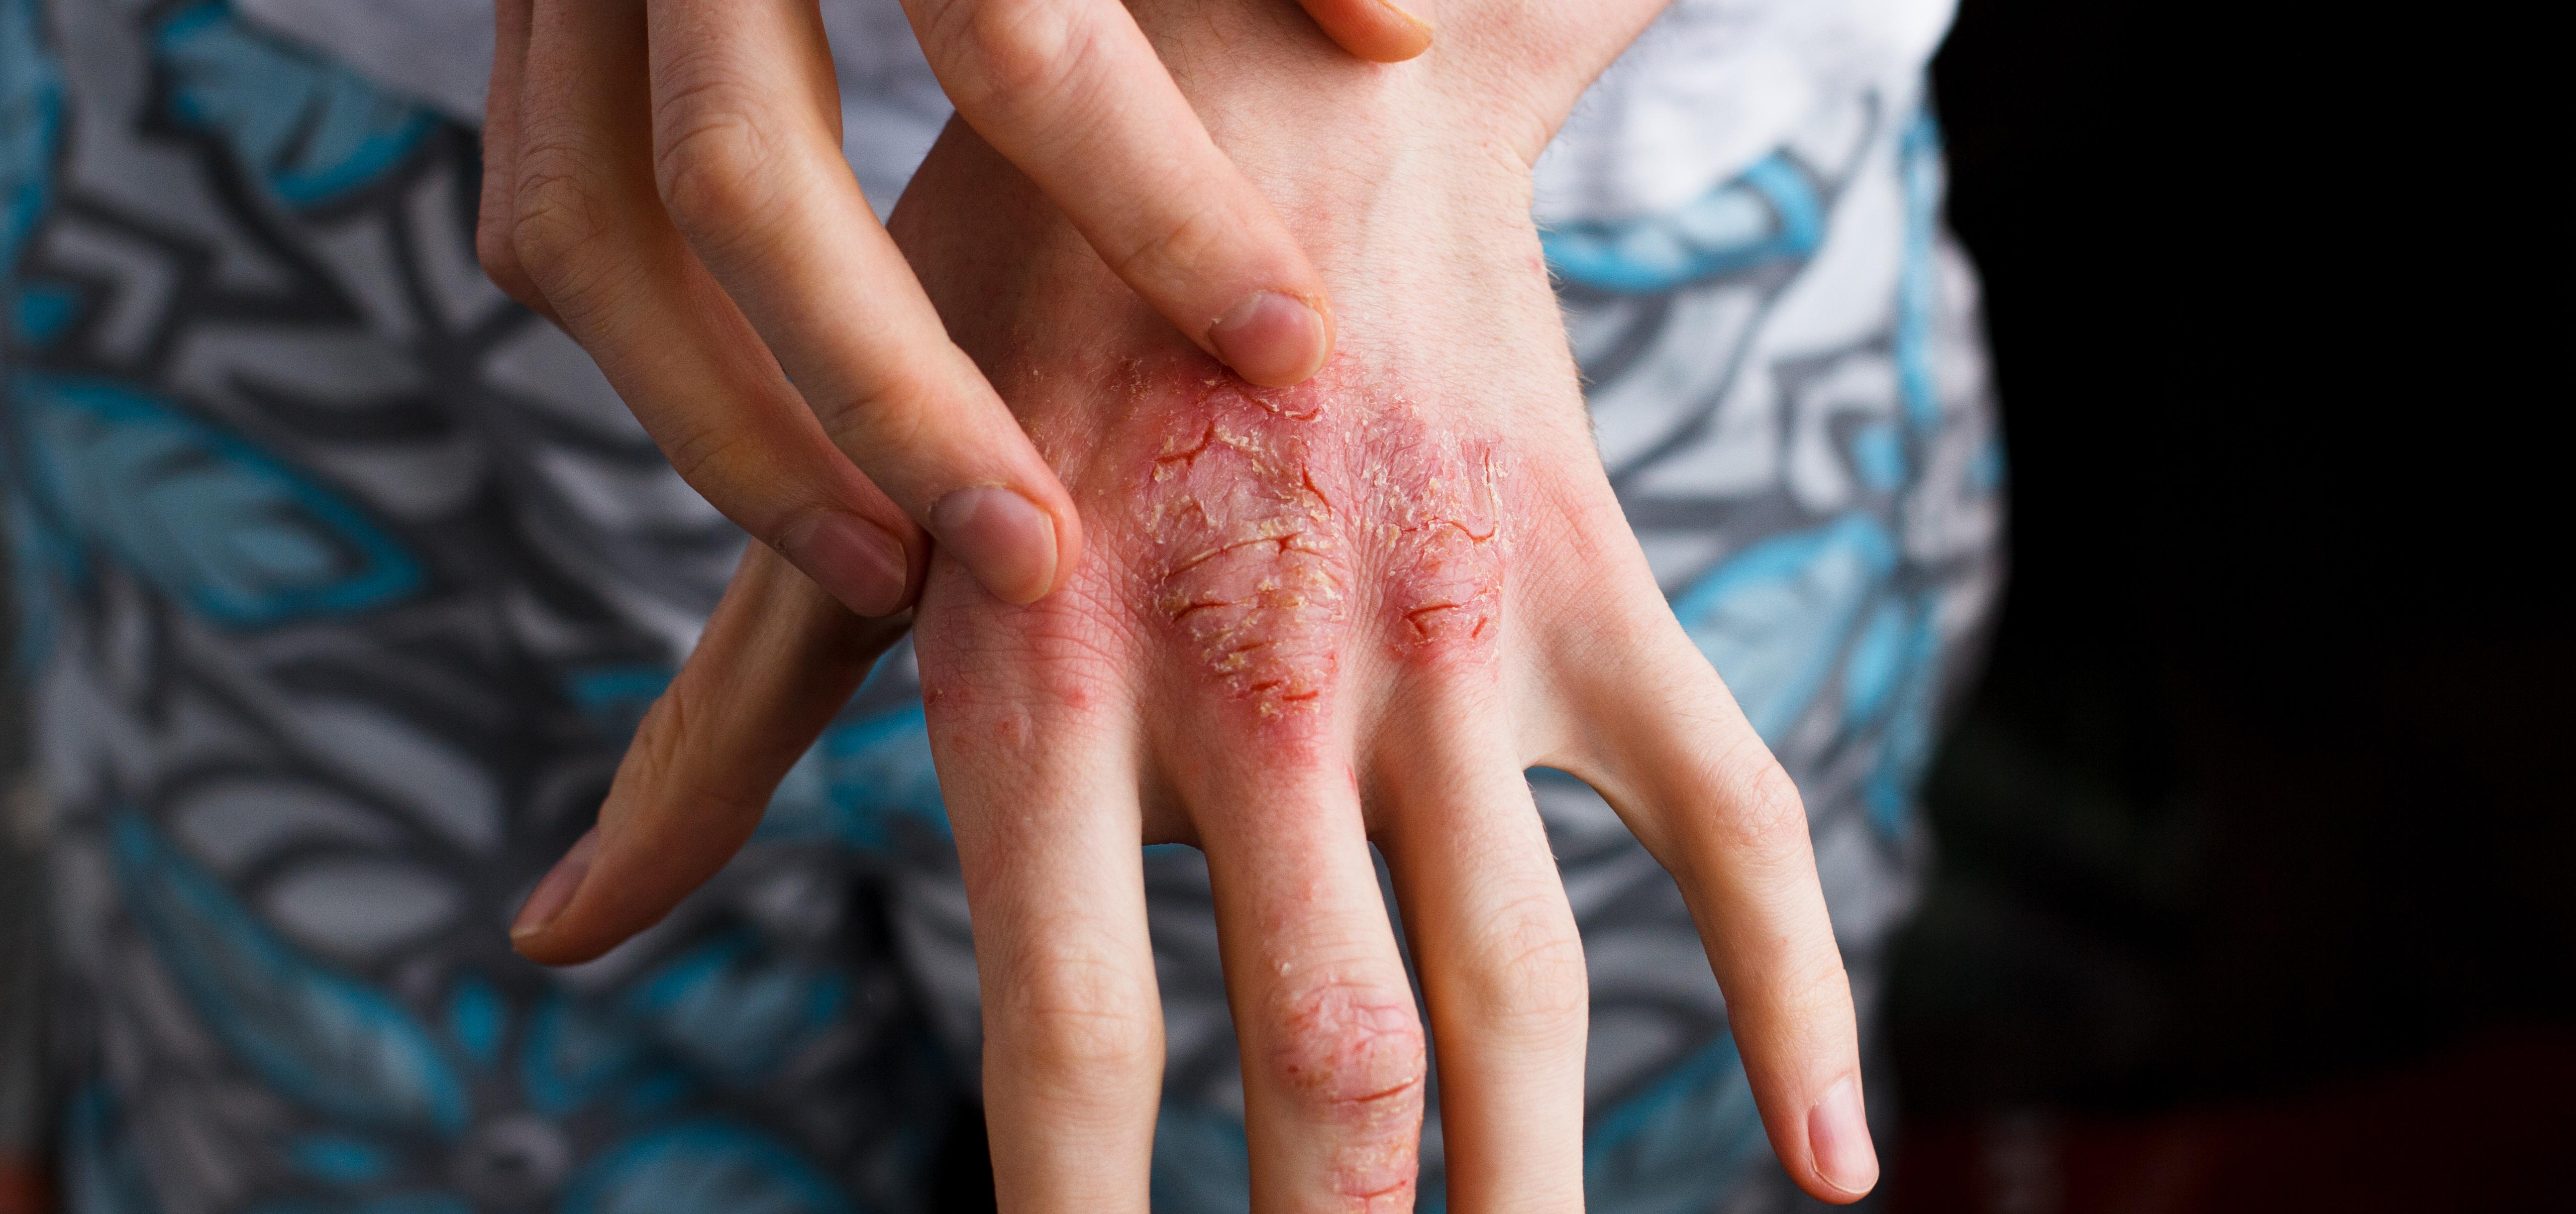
{"type": "Point", "coordinates": [1305, 619]}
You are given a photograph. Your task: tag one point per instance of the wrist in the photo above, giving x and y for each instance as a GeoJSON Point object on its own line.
{"type": "Point", "coordinates": [1408, 185]}
{"type": "Point", "coordinates": [1501, 75]}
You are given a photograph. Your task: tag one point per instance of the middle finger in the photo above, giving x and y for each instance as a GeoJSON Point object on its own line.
{"type": "Point", "coordinates": [1333, 1055]}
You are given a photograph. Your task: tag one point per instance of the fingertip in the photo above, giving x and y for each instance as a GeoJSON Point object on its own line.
{"type": "Point", "coordinates": [1407, 36]}
{"type": "Point", "coordinates": [1002, 538]}
{"type": "Point", "coordinates": [853, 561]}
{"type": "Point", "coordinates": [1845, 1161]}
{"type": "Point", "coordinates": [1380, 31]}
{"type": "Point", "coordinates": [554, 893]}
{"type": "Point", "coordinates": [1273, 338]}
{"type": "Point", "coordinates": [1068, 549]}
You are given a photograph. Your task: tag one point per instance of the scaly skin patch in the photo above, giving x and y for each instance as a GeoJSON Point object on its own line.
{"type": "Point", "coordinates": [1444, 556]}
{"type": "Point", "coordinates": [1355, 1059]}
{"type": "Point", "coordinates": [1275, 519]}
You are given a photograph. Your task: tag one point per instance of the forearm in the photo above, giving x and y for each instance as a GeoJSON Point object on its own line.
{"type": "Point", "coordinates": [1514, 68]}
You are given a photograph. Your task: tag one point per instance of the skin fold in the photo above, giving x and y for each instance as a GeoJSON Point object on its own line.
{"type": "Point", "coordinates": [1306, 620]}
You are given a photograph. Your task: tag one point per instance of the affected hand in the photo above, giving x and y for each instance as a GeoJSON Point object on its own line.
{"type": "Point", "coordinates": [1313, 619]}
{"type": "Point", "coordinates": [1309, 619]}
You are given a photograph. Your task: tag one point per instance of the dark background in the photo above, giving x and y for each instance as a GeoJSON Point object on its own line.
{"type": "Point", "coordinates": [2257, 877]}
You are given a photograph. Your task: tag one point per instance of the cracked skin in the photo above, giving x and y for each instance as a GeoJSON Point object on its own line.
{"type": "Point", "coordinates": [1279, 526]}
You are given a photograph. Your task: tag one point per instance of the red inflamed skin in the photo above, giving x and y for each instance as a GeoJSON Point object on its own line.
{"type": "Point", "coordinates": [1274, 575]}
{"type": "Point", "coordinates": [1305, 620]}
{"type": "Point", "coordinates": [1281, 532]}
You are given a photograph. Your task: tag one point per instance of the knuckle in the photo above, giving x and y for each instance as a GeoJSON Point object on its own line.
{"type": "Point", "coordinates": [1079, 1016]}
{"type": "Point", "coordinates": [496, 252]}
{"type": "Point", "coordinates": [1060, 661]}
{"type": "Point", "coordinates": [1826, 994]}
{"type": "Point", "coordinates": [1804, 999]}
{"type": "Point", "coordinates": [1762, 813]}
{"type": "Point", "coordinates": [1351, 1053]}
{"type": "Point", "coordinates": [1536, 986]}
{"type": "Point", "coordinates": [1025, 50]}
{"type": "Point", "coordinates": [713, 165]}
{"type": "Point", "coordinates": [1249, 566]}
{"type": "Point", "coordinates": [709, 458]}
{"type": "Point", "coordinates": [893, 410]}
{"type": "Point", "coordinates": [562, 221]}
{"type": "Point", "coordinates": [1274, 543]}
{"type": "Point", "coordinates": [654, 755]}
{"type": "Point", "coordinates": [1191, 237]}
{"type": "Point", "coordinates": [1446, 553]}
{"type": "Point", "coordinates": [666, 760]}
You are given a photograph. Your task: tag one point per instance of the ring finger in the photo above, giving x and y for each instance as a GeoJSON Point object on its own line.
{"type": "Point", "coordinates": [1495, 942]}
{"type": "Point", "coordinates": [1333, 1055]}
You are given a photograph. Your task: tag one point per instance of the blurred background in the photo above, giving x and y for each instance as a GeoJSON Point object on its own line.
{"type": "Point", "coordinates": [2254, 887]}
{"type": "Point", "coordinates": [24, 1102]}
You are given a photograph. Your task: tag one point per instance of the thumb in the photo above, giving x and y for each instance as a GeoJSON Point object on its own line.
{"type": "Point", "coordinates": [777, 660]}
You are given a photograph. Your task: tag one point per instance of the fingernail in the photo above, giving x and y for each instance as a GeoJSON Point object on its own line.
{"type": "Point", "coordinates": [1838, 1134]}
{"type": "Point", "coordinates": [555, 892]}
{"type": "Point", "coordinates": [1003, 538]}
{"type": "Point", "coordinates": [1407, 14]}
{"type": "Point", "coordinates": [851, 560]}
{"type": "Point", "coordinates": [1272, 339]}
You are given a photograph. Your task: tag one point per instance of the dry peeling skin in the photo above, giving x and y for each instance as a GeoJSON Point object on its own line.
{"type": "Point", "coordinates": [1283, 526]}
{"type": "Point", "coordinates": [1362, 1064]}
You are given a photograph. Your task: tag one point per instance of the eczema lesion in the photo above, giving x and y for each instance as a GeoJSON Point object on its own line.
{"type": "Point", "coordinates": [1449, 558]}
{"type": "Point", "coordinates": [1247, 563]}
{"type": "Point", "coordinates": [1278, 527]}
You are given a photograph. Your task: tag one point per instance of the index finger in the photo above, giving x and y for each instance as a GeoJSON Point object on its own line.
{"type": "Point", "coordinates": [1073, 93]}
{"type": "Point", "coordinates": [1037, 766]}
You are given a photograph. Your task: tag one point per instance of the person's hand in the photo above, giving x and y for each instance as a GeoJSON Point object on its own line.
{"type": "Point", "coordinates": [664, 179]}
{"type": "Point", "coordinates": [1309, 619]}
